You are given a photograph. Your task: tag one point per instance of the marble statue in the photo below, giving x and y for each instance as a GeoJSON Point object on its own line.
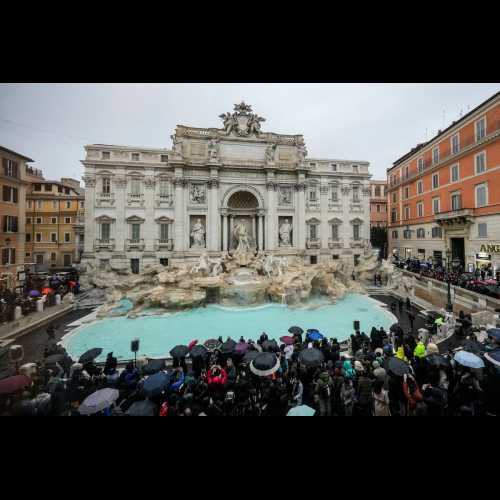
{"type": "Point", "coordinates": [270, 152]}
{"type": "Point", "coordinates": [285, 196]}
{"type": "Point", "coordinates": [198, 234]}
{"type": "Point", "coordinates": [216, 267]}
{"type": "Point", "coordinates": [197, 194]}
{"type": "Point", "coordinates": [213, 149]}
{"type": "Point", "coordinates": [241, 236]}
{"type": "Point", "coordinates": [302, 152]}
{"type": "Point", "coordinates": [285, 231]}
{"type": "Point", "coordinates": [229, 122]}
{"type": "Point", "coordinates": [254, 124]}
{"type": "Point", "coordinates": [177, 144]}
{"type": "Point", "coordinates": [202, 266]}
{"type": "Point", "coordinates": [269, 265]}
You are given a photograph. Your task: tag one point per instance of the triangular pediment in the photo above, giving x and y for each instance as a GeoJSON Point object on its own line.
{"type": "Point", "coordinates": [164, 220]}
{"type": "Point", "coordinates": [335, 220]}
{"type": "Point", "coordinates": [135, 218]}
{"type": "Point", "coordinates": [104, 218]}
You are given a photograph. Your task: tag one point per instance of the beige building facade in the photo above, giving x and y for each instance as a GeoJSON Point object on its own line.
{"type": "Point", "coordinates": [148, 206]}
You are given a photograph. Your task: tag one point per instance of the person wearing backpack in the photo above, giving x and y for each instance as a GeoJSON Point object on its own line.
{"type": "Point", "coordinates": [323, 391]}
{"type": "Point", "coordinates": [348, 397]}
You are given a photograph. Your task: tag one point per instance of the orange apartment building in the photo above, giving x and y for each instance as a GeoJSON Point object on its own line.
{"type": "Point", "coordinates": [54, 223]}
{"type": "Point", "coordinates": [378, 203]}
{"type": "Point", "coordinates": [13, 185]}
{"type": "Point", "coordinates": [444, 195]}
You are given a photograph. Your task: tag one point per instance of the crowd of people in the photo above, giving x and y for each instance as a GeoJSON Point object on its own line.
{"type": "Point", "coordinates": [384, 373]}
{"type": "Point", "coordinates": [35, 289]}
{"type": "Point", "coordinates": [484, 280]}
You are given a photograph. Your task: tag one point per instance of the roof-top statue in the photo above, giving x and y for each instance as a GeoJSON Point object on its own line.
{"type": "Point", "coordinates": [242, 121]}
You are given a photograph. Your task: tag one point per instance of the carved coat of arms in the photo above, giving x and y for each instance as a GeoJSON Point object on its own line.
{"type": "Point", "coordinates": [242, 121]}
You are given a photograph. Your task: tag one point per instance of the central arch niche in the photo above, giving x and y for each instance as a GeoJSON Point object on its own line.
{"type": "Point", "coordinates": [242, 200]}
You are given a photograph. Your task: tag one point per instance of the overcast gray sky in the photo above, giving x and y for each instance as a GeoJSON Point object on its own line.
{"type": "Point", "coordinates": [374, 122]}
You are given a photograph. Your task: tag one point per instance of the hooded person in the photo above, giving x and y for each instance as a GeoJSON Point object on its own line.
{"type": "Point", "coordinates": [419, 351]}
{"type": "Point", "coordinates": [349, 372]}
{"type": "Point", "coordinates": [110, 365]}
{"type": "Point", "coordinates": [378, 372]}
{"type": "Point", "coordinates": [323, 390]}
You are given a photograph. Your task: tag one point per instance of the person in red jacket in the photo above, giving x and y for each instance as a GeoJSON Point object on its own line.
{"type": "Point", "coordinates": [216, 376]}
{"type": "Point", "coordinates": [412, 392]}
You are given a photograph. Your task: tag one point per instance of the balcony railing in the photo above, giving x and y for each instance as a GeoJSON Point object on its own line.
{"type": "Point", "coordinates": [134, 244]}
{"type": "Point", "coordinates": [135, 198]}
{"type": "Point", "coordinates": [334, 243]}
{"type": "Point", "coordinates": [461, 214]}
{"type": "Point", "coordinates": [106, 244]}
{"type": "Point", "coordinates": [313, 243]}
{"type": "Point", "coordinates": [105, 197]}
{"type": "Point", "coordinates": [167, 245]}
{"type": "Point", "coordinates": [448, 153]}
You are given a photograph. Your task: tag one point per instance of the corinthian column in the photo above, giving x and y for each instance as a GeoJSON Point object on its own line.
{"type": "Point", "coordinates": [224, 232]}
{"type": "Point", "coordinates": [300, 242]}
{"type": "Point", "coordinates": [179, 243]}
{"type": "Point", "coordinates": [272, 220]}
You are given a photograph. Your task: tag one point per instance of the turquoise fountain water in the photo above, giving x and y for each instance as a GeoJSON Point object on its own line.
{"type": "Point", "coordinates": [160, 333]}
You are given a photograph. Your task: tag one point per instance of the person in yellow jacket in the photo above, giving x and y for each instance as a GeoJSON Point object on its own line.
{"type": "Point", "coordinates": [420, 350]}
{"type": "Point", "coordinates": [400, 353]}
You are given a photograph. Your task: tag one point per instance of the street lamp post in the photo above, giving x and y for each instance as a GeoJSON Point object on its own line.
{"type": "Point", "coordinates": [449, 305]}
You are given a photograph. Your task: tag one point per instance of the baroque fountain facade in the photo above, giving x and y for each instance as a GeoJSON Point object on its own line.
{"type": "Point", "coordinates": [235, 215]}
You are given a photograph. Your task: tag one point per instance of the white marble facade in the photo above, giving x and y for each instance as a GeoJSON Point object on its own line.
{"type": "Point", "coordinates": [148, 206]}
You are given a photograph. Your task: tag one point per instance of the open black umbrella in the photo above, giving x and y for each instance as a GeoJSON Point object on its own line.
{"type": "Point", "coordinates": [250, 356]}
{"type": "Point", "coordinates": [228, 347]}
{"type": "Point", "coordinates": [311, 357]}
{"type": "Point", "coordinates": [396, 328]}
{"type": "Point", "coordinates": [437, 360]}
{"type": "Point", "coordinates": [296, 330]}
{"type": "Point", "coordinates": [270, 346]}
{"type": "Point", "coordinates": [473, 346]}
{"type": "Point", "coordinates": [154, 366]}
{"type": "Point", "coordinates": [265, 364]}
{"type": "Point", "coordinates": [143, 408]}
{"type": "Point", "coordinates": [155, 384]}
{"type": "Point", "coordinates": [179, 351]}
{"type": "Point", "coordinates": [397, 367]}
{"type": "Point", "coordinates": [212, 344]}
{"type": "Point", "coordinates": [90, 355]}
{"type": "Point", "coordinates": [199, 351]}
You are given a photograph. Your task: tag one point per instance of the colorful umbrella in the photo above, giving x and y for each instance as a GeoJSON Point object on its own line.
{"type": "Point", "coordinates": [34, 293]}
{"type": "Point", "coordinates": [314, 335]}
{"type": "Point", "coordinates": [301, 411]}
{"type": "Point", "coordinates": [468, 359]}
{"type": "Point", "coordinates": [14, 384]}
{"type": "Point", "coordinates": [46, 290]}
{"type": "Point", "coordinates": [287, 340]}
{"type": "Point", "coordinates": [98, 401]}
{"type": "Point", "coordinates": [192, 344]}
{"type": "Point", "coordinates": [155, 384]}
{"type": "Point", "coordinates": [212, 344]}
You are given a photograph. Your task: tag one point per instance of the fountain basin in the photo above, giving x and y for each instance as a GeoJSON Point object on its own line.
{"type": "Point", "coordinates": [160, 333]}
